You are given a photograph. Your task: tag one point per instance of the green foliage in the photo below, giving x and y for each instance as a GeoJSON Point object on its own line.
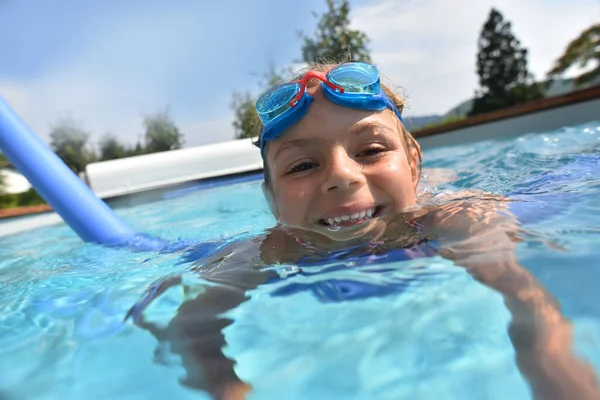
{"type": "Point", "coordinates": [502, 68]}
{"type": "Point", "coordinates": [582, 51]}
{"type": "Point", "coordinates": [7, 200]}
{"type": "Point", "coordinates": [111, 149]}
{"type": "Point", "coordinates": [69, 142]}
{"type": "Point", "coordinates": [161, 133]}
{"type": "Point", "coordinates": [334, 41]}
{"type": "Point", "coordinates": [28, 198]}
{"type": "Point", "coordinates": [138, 149]}
{"type": "Point", "coordinates": [245, 120]}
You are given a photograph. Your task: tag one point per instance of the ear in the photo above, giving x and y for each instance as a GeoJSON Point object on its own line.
{"type": "Point", "coordinates": [268, 192]}
{"type": "Point", "coordinates": [413, 162]}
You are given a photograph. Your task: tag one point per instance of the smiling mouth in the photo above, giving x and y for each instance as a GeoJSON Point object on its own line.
{"type": "Point", "coordinates": [352, 219]}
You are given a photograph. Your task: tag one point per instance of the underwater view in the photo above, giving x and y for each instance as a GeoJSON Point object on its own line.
{"type": "Point", "coordinates": [418, 327]}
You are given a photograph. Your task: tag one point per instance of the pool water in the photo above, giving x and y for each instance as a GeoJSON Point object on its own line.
{"type": "Point", "coordinates": [443, 336]}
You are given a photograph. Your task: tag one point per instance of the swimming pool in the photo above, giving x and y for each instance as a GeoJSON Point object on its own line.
{"type": "Point", "coordinates": [62, 302]}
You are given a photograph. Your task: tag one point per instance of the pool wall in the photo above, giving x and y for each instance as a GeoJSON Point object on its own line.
{"type": "Point", "coordinates": [543, 119]}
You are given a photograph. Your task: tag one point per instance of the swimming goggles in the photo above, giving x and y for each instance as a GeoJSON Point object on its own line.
{"type": "Point", "coordinates": [352, 85]}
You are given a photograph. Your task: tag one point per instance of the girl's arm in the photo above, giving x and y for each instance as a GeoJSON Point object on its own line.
{"type": "Point", "coordinates": [195, 333]}
{"type": "Point", "coordinates": [483, 241]}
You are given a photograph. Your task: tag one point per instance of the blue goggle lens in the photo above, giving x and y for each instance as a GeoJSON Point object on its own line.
{"type": "Point", "coordinates": [276, 101]}
{"type": "Point", "coordinates": [356, 78]}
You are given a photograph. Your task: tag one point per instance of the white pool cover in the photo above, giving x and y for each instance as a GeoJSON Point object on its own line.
{"type": "Point", "coordinates": [152, 171]}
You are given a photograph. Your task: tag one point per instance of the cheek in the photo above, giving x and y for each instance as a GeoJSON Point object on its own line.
{"type": "Point", "coordinates": [292, 202]}
{"type": "Point", "coordinates": [395, 178]}
{"type": "Point", "coordinates": [397, 166]}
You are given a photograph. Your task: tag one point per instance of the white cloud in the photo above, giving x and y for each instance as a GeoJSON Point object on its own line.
{"type": "Point", "coordinates": [429, 46]}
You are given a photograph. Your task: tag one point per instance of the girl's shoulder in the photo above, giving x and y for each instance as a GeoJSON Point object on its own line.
{"type": "Point", "coordinates": [464, 213]}
{"type": "Point", "coordinates": [471, 197]}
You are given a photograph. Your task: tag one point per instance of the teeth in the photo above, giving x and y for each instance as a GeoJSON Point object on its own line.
{"type": "Point", "coordinates": [359, 215]}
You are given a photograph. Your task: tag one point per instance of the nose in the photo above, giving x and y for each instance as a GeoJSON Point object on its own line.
{"type": "Point", "coordinates": [343, 172]}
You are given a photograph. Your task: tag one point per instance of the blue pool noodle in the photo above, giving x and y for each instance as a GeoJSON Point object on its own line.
{"type": "Point", "coordinates": [68, 195]}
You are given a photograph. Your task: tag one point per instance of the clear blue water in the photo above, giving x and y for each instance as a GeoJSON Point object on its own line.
{"type": "Point", "coordinates": [62, 302]}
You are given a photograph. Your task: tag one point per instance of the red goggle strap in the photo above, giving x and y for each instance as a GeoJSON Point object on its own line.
{"type": "Point", "coordinates": [304, 81]}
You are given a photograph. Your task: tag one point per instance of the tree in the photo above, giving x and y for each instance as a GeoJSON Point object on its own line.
{"type": "Point", "coordinates": [244, 123]}
{"type": "Point", "coordinates": [161, 133]}
{"type": "Point", "coordinates": [582, 51]}
{"type": "Point", "coordinates": [334, 41]}
{"type": "Point", "coordinates": [111, 149]}
{"type": "Point", "coordinates": [69, 142]}
{"type": "Point", "coordinates": [138, 149]}
{"type": "Point", "coordinates": [502, 68]}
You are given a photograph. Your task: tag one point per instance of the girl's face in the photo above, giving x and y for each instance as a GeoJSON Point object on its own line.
{"type": "Point", "coordinates": [338, 168]}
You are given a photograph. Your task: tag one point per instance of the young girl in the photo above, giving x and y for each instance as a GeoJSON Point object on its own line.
{"type": "Point", "coordinates": [341, 176]}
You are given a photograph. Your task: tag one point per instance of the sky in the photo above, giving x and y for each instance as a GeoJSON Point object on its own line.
{"type": "Point", "coordinates": [107, 64]}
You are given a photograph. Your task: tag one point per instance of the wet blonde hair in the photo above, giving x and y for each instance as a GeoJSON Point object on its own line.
{"type": "Point", "coordinates": [410, 142]}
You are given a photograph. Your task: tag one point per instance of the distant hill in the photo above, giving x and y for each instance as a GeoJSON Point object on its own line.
{"type": "Point", "coordinates": [461, 110]}
{"type": "Point", "coordinates": [418, 122]}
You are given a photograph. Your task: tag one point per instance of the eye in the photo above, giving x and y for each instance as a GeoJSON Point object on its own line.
{"type": "Point", "coordinates": [371, 151]}
{"type": "Point", "coordinates": [301, 166]}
